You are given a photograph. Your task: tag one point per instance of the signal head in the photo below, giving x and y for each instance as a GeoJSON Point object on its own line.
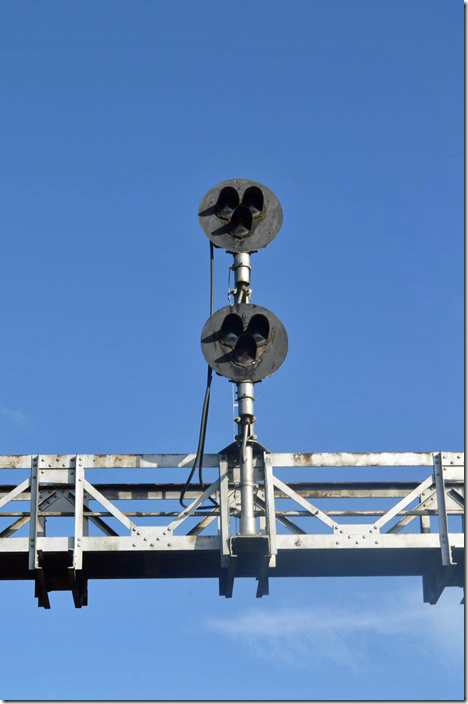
{"type": "Point", "coordinates": [244, 342]}
{"type": "Point", "coordinates": [240, 215]}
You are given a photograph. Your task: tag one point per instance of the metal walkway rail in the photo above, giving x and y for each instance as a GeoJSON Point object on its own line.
{"type": "Point", "coordinates": [331, 514]}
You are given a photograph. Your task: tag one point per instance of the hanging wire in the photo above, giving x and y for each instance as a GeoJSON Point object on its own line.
{"type": "Point", "coordinates": [229, 293]}
{"type": "Point", "coordinates": [206, 404]}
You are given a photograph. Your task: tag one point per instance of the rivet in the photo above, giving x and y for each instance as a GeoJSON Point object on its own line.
{"type": "Point", "coordinates": [363, 537]}
{"type": "Point", "coordinates": [50, 465]}
{"type": "Point", "coordinates": [157, 538]}
{"type": "Point", "coordinates": [349, 537]}
{"type": "Point", "coordinates": [134, 545]}
{"type": "Point", "coordinates": [357, 542]}
{"type": "Point", "coordinates": [458, 457]}
{"type": "Point", "coordinates": [164, 532]}
{"type": "Point", "coordinates": [169, 545]}
{"type": "Point", "coordinates": [42, 459]}
{"type": "Point", "coordinates": [337, 542]}
{"type": "Point", "coordinates": [376, 542]}
{"type": "Point", "coordinates": [152, 545]}
{"type": "Point", "coordinates": [145, 538]}
{"type": "Point", "coordinates": [138, 533]}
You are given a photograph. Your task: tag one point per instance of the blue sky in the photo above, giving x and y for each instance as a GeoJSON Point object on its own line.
{"type": "Point", "coordinates": [117, 117]}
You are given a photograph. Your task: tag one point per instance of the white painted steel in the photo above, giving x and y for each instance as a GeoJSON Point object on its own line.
{"type": "Point", "coordinates": [278, 459]}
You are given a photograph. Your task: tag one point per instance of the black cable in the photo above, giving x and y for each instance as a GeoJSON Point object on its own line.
{"type": "Point", "coordinates": [206, 404]}
{"type": "Point", "coordinates": [201, 439]}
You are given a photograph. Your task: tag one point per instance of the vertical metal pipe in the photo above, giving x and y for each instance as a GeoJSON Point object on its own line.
{"type": "Point", "coordinates": [241, 268]}
{"type": "Point", "coordinates": [245, 399]}
{"type": "Point", "coordinates": [247, 487]}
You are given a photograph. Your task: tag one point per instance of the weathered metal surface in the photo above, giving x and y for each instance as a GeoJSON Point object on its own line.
{"type": "Point", "coordinates": [15, 461]}
{"type": "Point", "coordinates": [224, 223]}
{"type": "Point", "coordinates": [220, 343]}
{"type": "Point", "coordinates": [364, 539]}
{"type": "Point", "coordinates": [309, 490]}
{"type": "Point", "coordinates": [279, 459]}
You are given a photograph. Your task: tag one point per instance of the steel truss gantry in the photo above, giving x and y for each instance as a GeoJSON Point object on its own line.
{"type": "Point", "coordinates": [311, 527]}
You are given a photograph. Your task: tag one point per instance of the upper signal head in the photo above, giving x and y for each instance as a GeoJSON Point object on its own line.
{"type": "Point", "coordinates": [240, 215]}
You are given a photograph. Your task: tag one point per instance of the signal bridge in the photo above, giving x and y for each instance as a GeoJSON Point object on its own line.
{"type": "Point", "coordinates": [305, 528]}
{"type": "Point", "coordinates": [245, 521]}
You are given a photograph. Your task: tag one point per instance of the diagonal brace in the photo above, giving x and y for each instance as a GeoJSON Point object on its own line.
{"type": "Point", "coordinates": [304, 503]}
{"type": "Point", "coordinates": [194, 505]}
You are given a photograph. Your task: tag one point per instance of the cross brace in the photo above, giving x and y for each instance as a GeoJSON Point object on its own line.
{"type": "Point", "coordinates": [305, 523]}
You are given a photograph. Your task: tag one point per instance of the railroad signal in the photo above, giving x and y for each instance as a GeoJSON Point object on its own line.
{"type": "Point", "coordinates": [244, 342]}
{"type": "Point", "coordinates": [240, 215]}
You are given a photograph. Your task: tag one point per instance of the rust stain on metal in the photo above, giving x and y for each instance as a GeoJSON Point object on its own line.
{"type": "Point", "coordinates": [15, 461]}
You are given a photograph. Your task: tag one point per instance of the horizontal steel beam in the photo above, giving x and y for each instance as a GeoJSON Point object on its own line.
{"type": "Point", "coordinates": [170, 491]}
{"type": "Point", "coordinates": [172, 461]}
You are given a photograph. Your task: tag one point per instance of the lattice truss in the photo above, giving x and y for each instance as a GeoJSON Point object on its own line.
{"type": "Point", "coordinates": [383, 514]}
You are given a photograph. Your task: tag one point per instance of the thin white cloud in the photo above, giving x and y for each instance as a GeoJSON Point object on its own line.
{"type": "Point", "coordinates": [347, 634]}
{"type": "Point", "coordinates": [15, 417]}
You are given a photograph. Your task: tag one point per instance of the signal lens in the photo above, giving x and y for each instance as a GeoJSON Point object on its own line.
{"type": "Point", "coordinates": [245, 350]}
{"type": "Point", "coordinates": [227, 202]}
{"type": "Point", "coordinates": [231, 328]}
{"type": "Point", "coordinates": [241, 222]}
{"type": "Point", "coordinates": [259, 328]}
{"type": "Point", "coordinates": [253, 200]}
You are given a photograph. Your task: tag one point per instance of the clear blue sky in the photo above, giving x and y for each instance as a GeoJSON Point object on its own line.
{"type": "Point", "coordinates": [116, 118]}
